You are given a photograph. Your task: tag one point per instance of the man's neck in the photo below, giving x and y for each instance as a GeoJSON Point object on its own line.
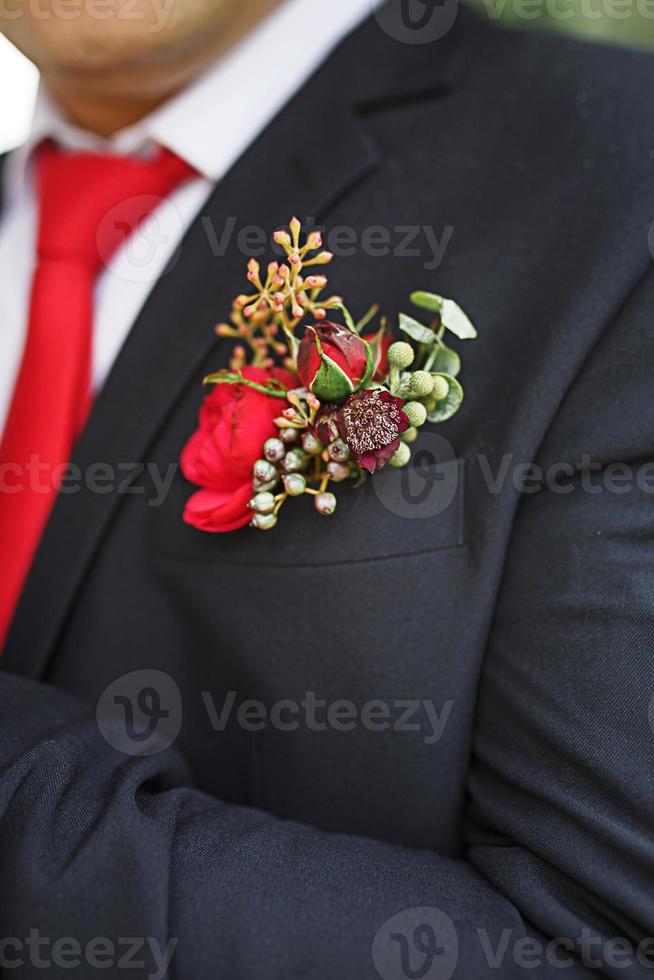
{"type": "Point", "coordinates": [106, 103]}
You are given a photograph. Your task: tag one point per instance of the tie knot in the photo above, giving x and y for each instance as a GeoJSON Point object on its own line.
{"type": "Point", "coordinates": [91, 203]}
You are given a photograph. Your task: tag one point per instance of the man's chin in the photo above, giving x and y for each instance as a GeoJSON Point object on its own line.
{"type": "Point", "coordinates": [92, 35]}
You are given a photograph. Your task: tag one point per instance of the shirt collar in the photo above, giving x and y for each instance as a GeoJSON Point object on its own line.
{"type": "Point", "coordinates": [212, 122]}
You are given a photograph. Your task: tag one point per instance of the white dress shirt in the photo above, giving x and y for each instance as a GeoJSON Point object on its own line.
{"type": "Point", "coordinates": [209, 125]}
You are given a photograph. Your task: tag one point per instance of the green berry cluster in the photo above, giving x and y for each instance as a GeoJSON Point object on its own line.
{"type": "Point", "coordinates": [421, 390]}
{"type": "Point", "coordinates": [282, 472]}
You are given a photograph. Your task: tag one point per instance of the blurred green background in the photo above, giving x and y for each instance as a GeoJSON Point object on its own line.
{"type": "Point", "coordinates": [629, 22]}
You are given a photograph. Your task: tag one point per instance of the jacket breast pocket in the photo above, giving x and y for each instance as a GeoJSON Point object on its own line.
{"type": "Point", "coordinates": [418, 509]}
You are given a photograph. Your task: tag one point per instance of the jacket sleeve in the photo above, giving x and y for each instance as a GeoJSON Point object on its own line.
{"type": "Point", "coordinates": [557, 878]}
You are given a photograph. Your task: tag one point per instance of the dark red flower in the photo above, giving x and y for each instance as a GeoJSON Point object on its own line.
{"type": "Point", "coordinates": [333, 361]}
{"type": "Point", "coordinates": [370, 422]}
{"type": "Point", "coordinates": [235, 421]}
{"type": "Point", "coordinates": [326, 424]}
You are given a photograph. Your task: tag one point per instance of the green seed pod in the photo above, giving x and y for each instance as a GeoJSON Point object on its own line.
{"type": "Point", "coordinates": [295, 461]}
{"type": "Point", "coordinates": [401, 456]}
{"type": "Point", "coordinates": [295, 484]}
{"type": "Point", "coordinates": [339, 451]}
{"type": "Point", "coordinates": [325, 504]}
{"type": "Point", "coordinates": [400, 354]}
{"type": "Point", "coordinates": [262, 503]}
{"type": "Point", "coordinates": [409, 435]}
{"type": "Point", "coordinates": [264, 522]}
{"type": "Point", "coordinates": [338, 471]}
{"type": "Point", "coordinates": [422, 384]}
{"type": "Point", "coordinates": [441, 388]}
{"type": "Point", "coordinates": [264, 487]}
{"type": "Point", "coordinates": [264, 471]}
{"type": "Point", "coordinates": [311, 445]}
{"type": "Point", "coordinates": [416, 413]}
{"type": "Point", "coordinates": [274, 450]}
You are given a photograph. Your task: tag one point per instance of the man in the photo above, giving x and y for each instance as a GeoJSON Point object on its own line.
{"type": "Point", "coordinates": [388, 746]}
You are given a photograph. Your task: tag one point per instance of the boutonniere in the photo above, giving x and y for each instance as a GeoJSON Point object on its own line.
{"type": "Point", "coordinates": [312, 397]}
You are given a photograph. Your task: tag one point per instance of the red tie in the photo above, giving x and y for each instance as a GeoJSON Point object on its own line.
{"type": "Point", "coordinates": [89, 205]}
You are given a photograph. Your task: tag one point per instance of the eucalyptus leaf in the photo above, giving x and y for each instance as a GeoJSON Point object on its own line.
{"type": "Point", "coordinates": [449, 406]}
{"type": "Point", "coordinates": [415, 330]}
{"type": "Point", "coordinates": [427, 301]}
{"type": "Point", "coordinates": [447, 361]}
{"type": "Point", "coordinates": [456, 320]}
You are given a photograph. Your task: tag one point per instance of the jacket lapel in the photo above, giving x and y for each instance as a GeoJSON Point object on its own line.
{"type": "Point", "coordinates": [315, 150]}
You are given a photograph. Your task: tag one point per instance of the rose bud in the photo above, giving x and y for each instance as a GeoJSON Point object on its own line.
{"type": "Point", "coordinates": [333, 361]}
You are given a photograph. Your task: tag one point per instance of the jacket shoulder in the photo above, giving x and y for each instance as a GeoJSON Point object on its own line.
{"type": "Point", "coordinates": [551, 67]}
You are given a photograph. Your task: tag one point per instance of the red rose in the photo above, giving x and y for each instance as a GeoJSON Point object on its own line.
{"type": "Point", "coordinates": [333, 361]}
{"type": "Point", "coordinates": [235, 422]}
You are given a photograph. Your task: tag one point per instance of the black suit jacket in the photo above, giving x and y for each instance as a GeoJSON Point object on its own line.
{"type": "Point", "coordinates": [524, 619]}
